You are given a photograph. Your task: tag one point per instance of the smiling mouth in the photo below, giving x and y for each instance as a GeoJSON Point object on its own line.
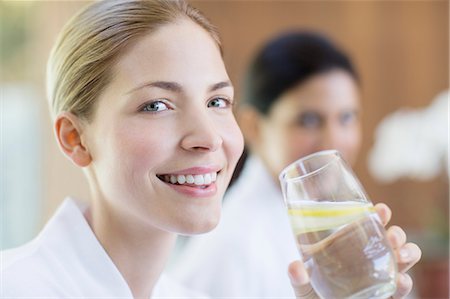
{"type": "Point", "coordinates": [193, 180]}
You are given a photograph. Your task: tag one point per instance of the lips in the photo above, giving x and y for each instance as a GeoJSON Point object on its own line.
{"type": "Point", "coordinates": [194, 183]}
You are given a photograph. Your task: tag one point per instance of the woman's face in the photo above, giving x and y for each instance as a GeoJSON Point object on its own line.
{"type": "Point", "coordinates": [164, 141]}
{"type": "Point", "coordinates": [321, 113]}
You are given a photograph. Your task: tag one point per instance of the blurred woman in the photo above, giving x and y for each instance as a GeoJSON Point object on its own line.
{"type": "Point", "coordinates": [301, 96]}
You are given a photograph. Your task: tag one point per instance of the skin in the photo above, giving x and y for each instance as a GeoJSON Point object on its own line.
{"type": "Point", "coordinates": [321, 113]}
{"type": "Point", "coordinates": [318, 114]}
{"type": "Point", "coordinates": [168, 110]}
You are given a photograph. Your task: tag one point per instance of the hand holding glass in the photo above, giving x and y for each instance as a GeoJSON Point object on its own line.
{"type": "Point", "coordinates": [340, 236]}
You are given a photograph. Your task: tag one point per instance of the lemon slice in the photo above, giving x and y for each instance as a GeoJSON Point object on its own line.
{"type": "Point", "coordinates": [306, 216]}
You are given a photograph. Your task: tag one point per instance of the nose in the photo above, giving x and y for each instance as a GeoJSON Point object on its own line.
{"type": "Point", "coordinates": [332, 137]}
{"type": "Point", "coordinates": [201, 134]}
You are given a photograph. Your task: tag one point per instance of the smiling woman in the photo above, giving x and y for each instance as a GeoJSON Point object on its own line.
{"type": "Point", "coordinates": [142, 103]}
{"type": "Point", "coordinates": [195, 139]}
{"type": "Point", "coordinates": [153, 130]}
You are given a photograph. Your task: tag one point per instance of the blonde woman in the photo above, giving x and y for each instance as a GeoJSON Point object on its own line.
{"type": "Point", "coordinates": [141, 101]}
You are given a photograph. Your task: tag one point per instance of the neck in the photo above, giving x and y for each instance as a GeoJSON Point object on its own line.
{"type": "Point", "coordinates": [138, 250]}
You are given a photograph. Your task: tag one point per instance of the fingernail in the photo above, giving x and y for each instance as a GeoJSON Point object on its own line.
{"type": "Point", "coordinates": [304, 277]}
{"type": "Point", "coordinates": [404, 254]}
{"type": "Point", "coordinates": [300, 279]}
{"type": "Point", "coordinates": [403, 279]}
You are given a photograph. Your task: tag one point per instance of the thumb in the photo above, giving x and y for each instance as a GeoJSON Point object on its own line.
{"type": "Point", "coordinates": [300, 281]}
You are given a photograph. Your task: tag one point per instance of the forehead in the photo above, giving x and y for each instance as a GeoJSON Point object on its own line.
{"type": "Point", "coordinates": [181, 51]}
{"type": "Point", "coordinates": [327, 92]}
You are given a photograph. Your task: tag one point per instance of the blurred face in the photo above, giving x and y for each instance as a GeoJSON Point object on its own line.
{"type": "Point", "coordinates": [321, 113]}
{"type": "Point", "coordinates": [164, 141]}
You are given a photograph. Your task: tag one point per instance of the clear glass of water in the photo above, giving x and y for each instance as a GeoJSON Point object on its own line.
{"type": "Point", "coordinates": [339, 235]}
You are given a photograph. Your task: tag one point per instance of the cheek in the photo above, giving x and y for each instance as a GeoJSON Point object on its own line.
{"type": "Point", "coordinates": [276, 147]}
{"type": "Point", "coordinates": [142, 144]}
{"type": "Point", "coordinates": [352, 145]}
{"type": "Point", "coordinates": [233, 142]}
{"type": "Point", "coordinates": [354, 138]}
{"type": "Point", "coordinates": [137, 151]}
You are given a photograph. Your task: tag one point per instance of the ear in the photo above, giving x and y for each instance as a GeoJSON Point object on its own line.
{"type": "Point", "coordinates": [250, 122]}
{"type": "Point", "coordinates": [68, 134]}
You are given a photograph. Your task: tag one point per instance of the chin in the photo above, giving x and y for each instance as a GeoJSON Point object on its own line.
{"type": "Point", "coordinates": [199, 225]}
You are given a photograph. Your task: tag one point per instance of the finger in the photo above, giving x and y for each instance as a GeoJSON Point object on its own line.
{"type": "Point", "coordinates": [300, 281]}
{"type": "Point", "coordinates": [384, 212]}
{"type": "Point", "coordinates": [404, 286]}
{"type": "Point", "coordinates": [407, 256]}
{"type": "Point", "coordinates": [396, 236]}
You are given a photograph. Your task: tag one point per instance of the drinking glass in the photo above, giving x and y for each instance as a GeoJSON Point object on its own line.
{"type": "Point", "coordinates": [340, 237]}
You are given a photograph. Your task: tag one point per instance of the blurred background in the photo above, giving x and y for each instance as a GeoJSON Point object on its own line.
{"type": "Point", "coordinates": [400, 48]}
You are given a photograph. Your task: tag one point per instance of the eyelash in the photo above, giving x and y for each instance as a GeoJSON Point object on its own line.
{"type": "Point", "coordinates": [309, 120]}
{"type": "Point", "coordinates": [348, 117]}
{"type": "Point", "coordinates": [228, 102]}
{"type": "Point", "coordinates": [144, 108]}
{"type": "Point", "coordinates": [147, 106]}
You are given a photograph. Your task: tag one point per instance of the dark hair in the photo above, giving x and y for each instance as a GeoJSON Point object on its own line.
{"type": "Point", "coordinates": [288, 60]}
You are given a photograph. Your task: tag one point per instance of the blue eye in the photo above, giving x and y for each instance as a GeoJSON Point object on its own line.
{"type": "Point", "coordinates": [156, 106]}
{"type": "Point", "coordinates": [310, 120]}
{"type": "Point", "coordinates": [219, 103]}
{"type": "Point", "coordinates": [347, 117]}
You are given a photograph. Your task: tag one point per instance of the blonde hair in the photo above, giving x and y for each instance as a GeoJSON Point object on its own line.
{"type": "Point", "coordinates": [81, 61]}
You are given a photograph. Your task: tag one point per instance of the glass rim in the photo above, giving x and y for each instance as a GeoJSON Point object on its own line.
{"type": "Point", "coordinates": [307, 157]}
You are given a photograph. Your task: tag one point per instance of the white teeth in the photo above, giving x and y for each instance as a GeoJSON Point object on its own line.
{"type": "Point", "coordinates": [190, 179]}
{"type": "Point", "coordinates": [207, 178]}
{"type": "Point", "coordinates": [198, 179]}
{"type": "Point", "coordinates": [181, 179]}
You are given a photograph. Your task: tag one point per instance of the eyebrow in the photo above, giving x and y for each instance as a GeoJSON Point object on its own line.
{"type": "Point", "coordinates": [220, 85]}
{"type": "Point", "coordinates": [171, 86]}
{"type": "Point", "coordinates": [175, 87]}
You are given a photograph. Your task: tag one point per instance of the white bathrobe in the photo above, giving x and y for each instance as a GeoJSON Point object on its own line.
{"type": "Point", "coordinates": [67, 261]}
{"type": "Point", "coordinates": [248, 254]}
